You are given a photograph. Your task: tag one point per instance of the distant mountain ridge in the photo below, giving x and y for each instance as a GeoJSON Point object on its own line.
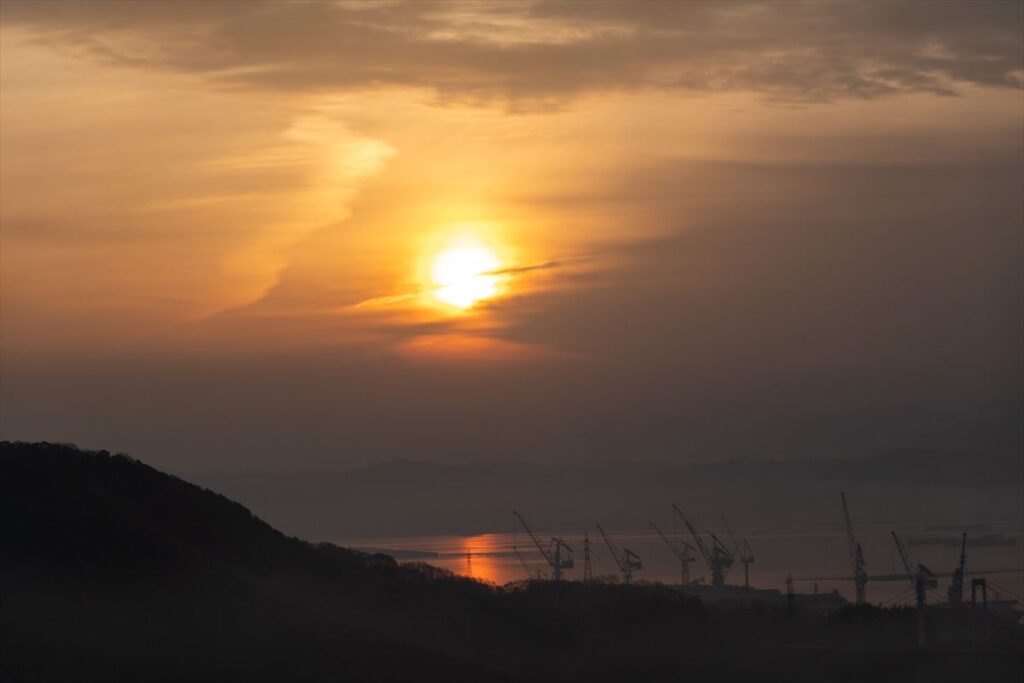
{"type": "Point", "coordinates": [908, 463]}
{"type": "Point", "coordinates": [408, 497]}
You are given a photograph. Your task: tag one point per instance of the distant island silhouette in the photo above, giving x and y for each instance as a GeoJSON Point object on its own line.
{"type": "Point", "coordinates": [111, 570]}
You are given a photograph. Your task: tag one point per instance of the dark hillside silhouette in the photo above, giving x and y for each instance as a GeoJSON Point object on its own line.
{"type": "Point", "coordinates": [114, 566]}
{"type": "Point", "coordinates": [113, 571]}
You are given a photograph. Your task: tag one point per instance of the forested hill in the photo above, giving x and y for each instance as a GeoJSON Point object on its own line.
{"type": "Point", "coordinates": [112, 570]}
{"type": "Point", "coordinates": [97, 511]}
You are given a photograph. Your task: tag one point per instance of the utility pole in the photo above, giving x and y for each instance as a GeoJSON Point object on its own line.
{"type": "Point", "coordinates": [956, 587]}
{"type": "Point", "coordinates": [790, 598]}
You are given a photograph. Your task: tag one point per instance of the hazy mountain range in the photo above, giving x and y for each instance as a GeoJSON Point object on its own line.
{"type": "Point", "coordinates": [408, 497]}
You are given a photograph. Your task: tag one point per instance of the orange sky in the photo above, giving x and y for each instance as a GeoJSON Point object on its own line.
{"type": "Point", "coordinates": [229, 181]}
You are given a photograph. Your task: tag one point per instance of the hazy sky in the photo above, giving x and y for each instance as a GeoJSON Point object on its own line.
{"type": "Point", "coordinates": [710, 230]}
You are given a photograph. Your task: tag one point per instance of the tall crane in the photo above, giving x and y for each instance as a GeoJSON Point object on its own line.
{"type": "Point", "coordinates": [915, 571]}
{"type": "Point", "coordinates": [717, 556]}
{"type": "Point", "coordinates": [530, 573]}
{"type": "Point", "coordinates": [553, 552]}
{"type": "Point", "coordinates": [588, 572]}
{"type": "Point", "coordinates": [742, 550]}
{"type": "Point", "coordinates": [956, 587]}
{"type": "Point", "coordinates": [857, 564]}
{"type": "Point", "coordinates": [682, 550]}
{"type": "Point", "coordinates": [625, 558]}
{"type": "Point", "coordinates": [921, 578]}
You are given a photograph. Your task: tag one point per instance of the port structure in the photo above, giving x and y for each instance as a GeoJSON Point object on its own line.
{"type": "Point", "coordinates": [625, 558]}
{"type": "Point", "coordinates": [742, 551]}
{"type": "Point", "coordinates": [537, 574]}
{"type": "Point", "coordinates": [857, 564]}
{"type": "Point", "coordinates": [918, 574]}
{"type": "Point", "coordinates": [922, 579]}
{"type": "Point", "coordinates": [588, 572]}
{"type": "Point", "coordinates": [682, 550]}
{"type": "Point", "coordinates": [557, 553]}
{"type": "Point", "coordinates": [716, 554]}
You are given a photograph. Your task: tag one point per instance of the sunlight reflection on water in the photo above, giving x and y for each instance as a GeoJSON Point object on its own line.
{"type": "Point", "coordinates": [803, 552]}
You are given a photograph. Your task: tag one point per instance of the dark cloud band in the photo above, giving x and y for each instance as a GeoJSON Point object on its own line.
{"type": "Point", "coordinates": [516, 53]}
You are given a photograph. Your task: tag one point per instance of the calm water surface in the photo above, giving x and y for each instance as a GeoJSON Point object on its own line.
{"type": "Point", "coordinates": [815, 556]}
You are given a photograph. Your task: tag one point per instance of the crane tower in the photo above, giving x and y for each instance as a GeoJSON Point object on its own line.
{"type": "Point", "coordinates": [682, 550]}
{"type": "Point", "coordinates": [625, 558]}
{"type": "Point", "coordinates": [717, 556]}
{"type": "Point", "coordinates": [557, 553]}
{"type": "Point", "coordinates": [742, 550]}
{"type": "Point", "coordinates": [860, 575]}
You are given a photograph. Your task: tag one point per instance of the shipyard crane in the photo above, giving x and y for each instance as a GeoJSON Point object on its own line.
{"type": "Point", "coordinates": [921, 578]}
{"type": "Point", "coordinates": [910, 568]}
{"type": "Point", "coordinates": [956, 587]}
{"type": "Point", "coordinates": [552, 552]}
{"type": "Point", "coordinates": [918, 574]}
{"type": "Point", "coordinates": [530, 573]}
{"type": "Point", "coordinates": [717, 556]}
{"type": "Point", "coordinates": [743, 552]}
{"type": "Point", "coordinates": [682, 550]}
{"type": "Point", "coordinates": [625, 558]}
{"type": "Point", "coordinates": [857, 564]}
{"type": "Point", "coordinates": [588, 572]}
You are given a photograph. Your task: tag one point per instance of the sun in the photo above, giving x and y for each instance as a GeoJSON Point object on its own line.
{"type": "Point", "coordinates": [464, 275]}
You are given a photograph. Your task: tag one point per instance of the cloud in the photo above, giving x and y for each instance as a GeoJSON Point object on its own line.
{"type": "Point", "coordinates": [818, 278]}
{"type": "Point", "coordinates": [475, 349]}
{"type": "Point", "coordinates": [525, 54]}
{"type": "Point", "coordinates": [815, 309]}
{"type": "Point", "coordinates": [414, 294]}
{"type": "Point", "coordinates": [545, 265]}
{"type": "Point", "coordinates": [809, 271]}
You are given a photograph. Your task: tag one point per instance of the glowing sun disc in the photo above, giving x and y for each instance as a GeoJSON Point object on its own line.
{"type": "Point", "coordinates": [464, 275]}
